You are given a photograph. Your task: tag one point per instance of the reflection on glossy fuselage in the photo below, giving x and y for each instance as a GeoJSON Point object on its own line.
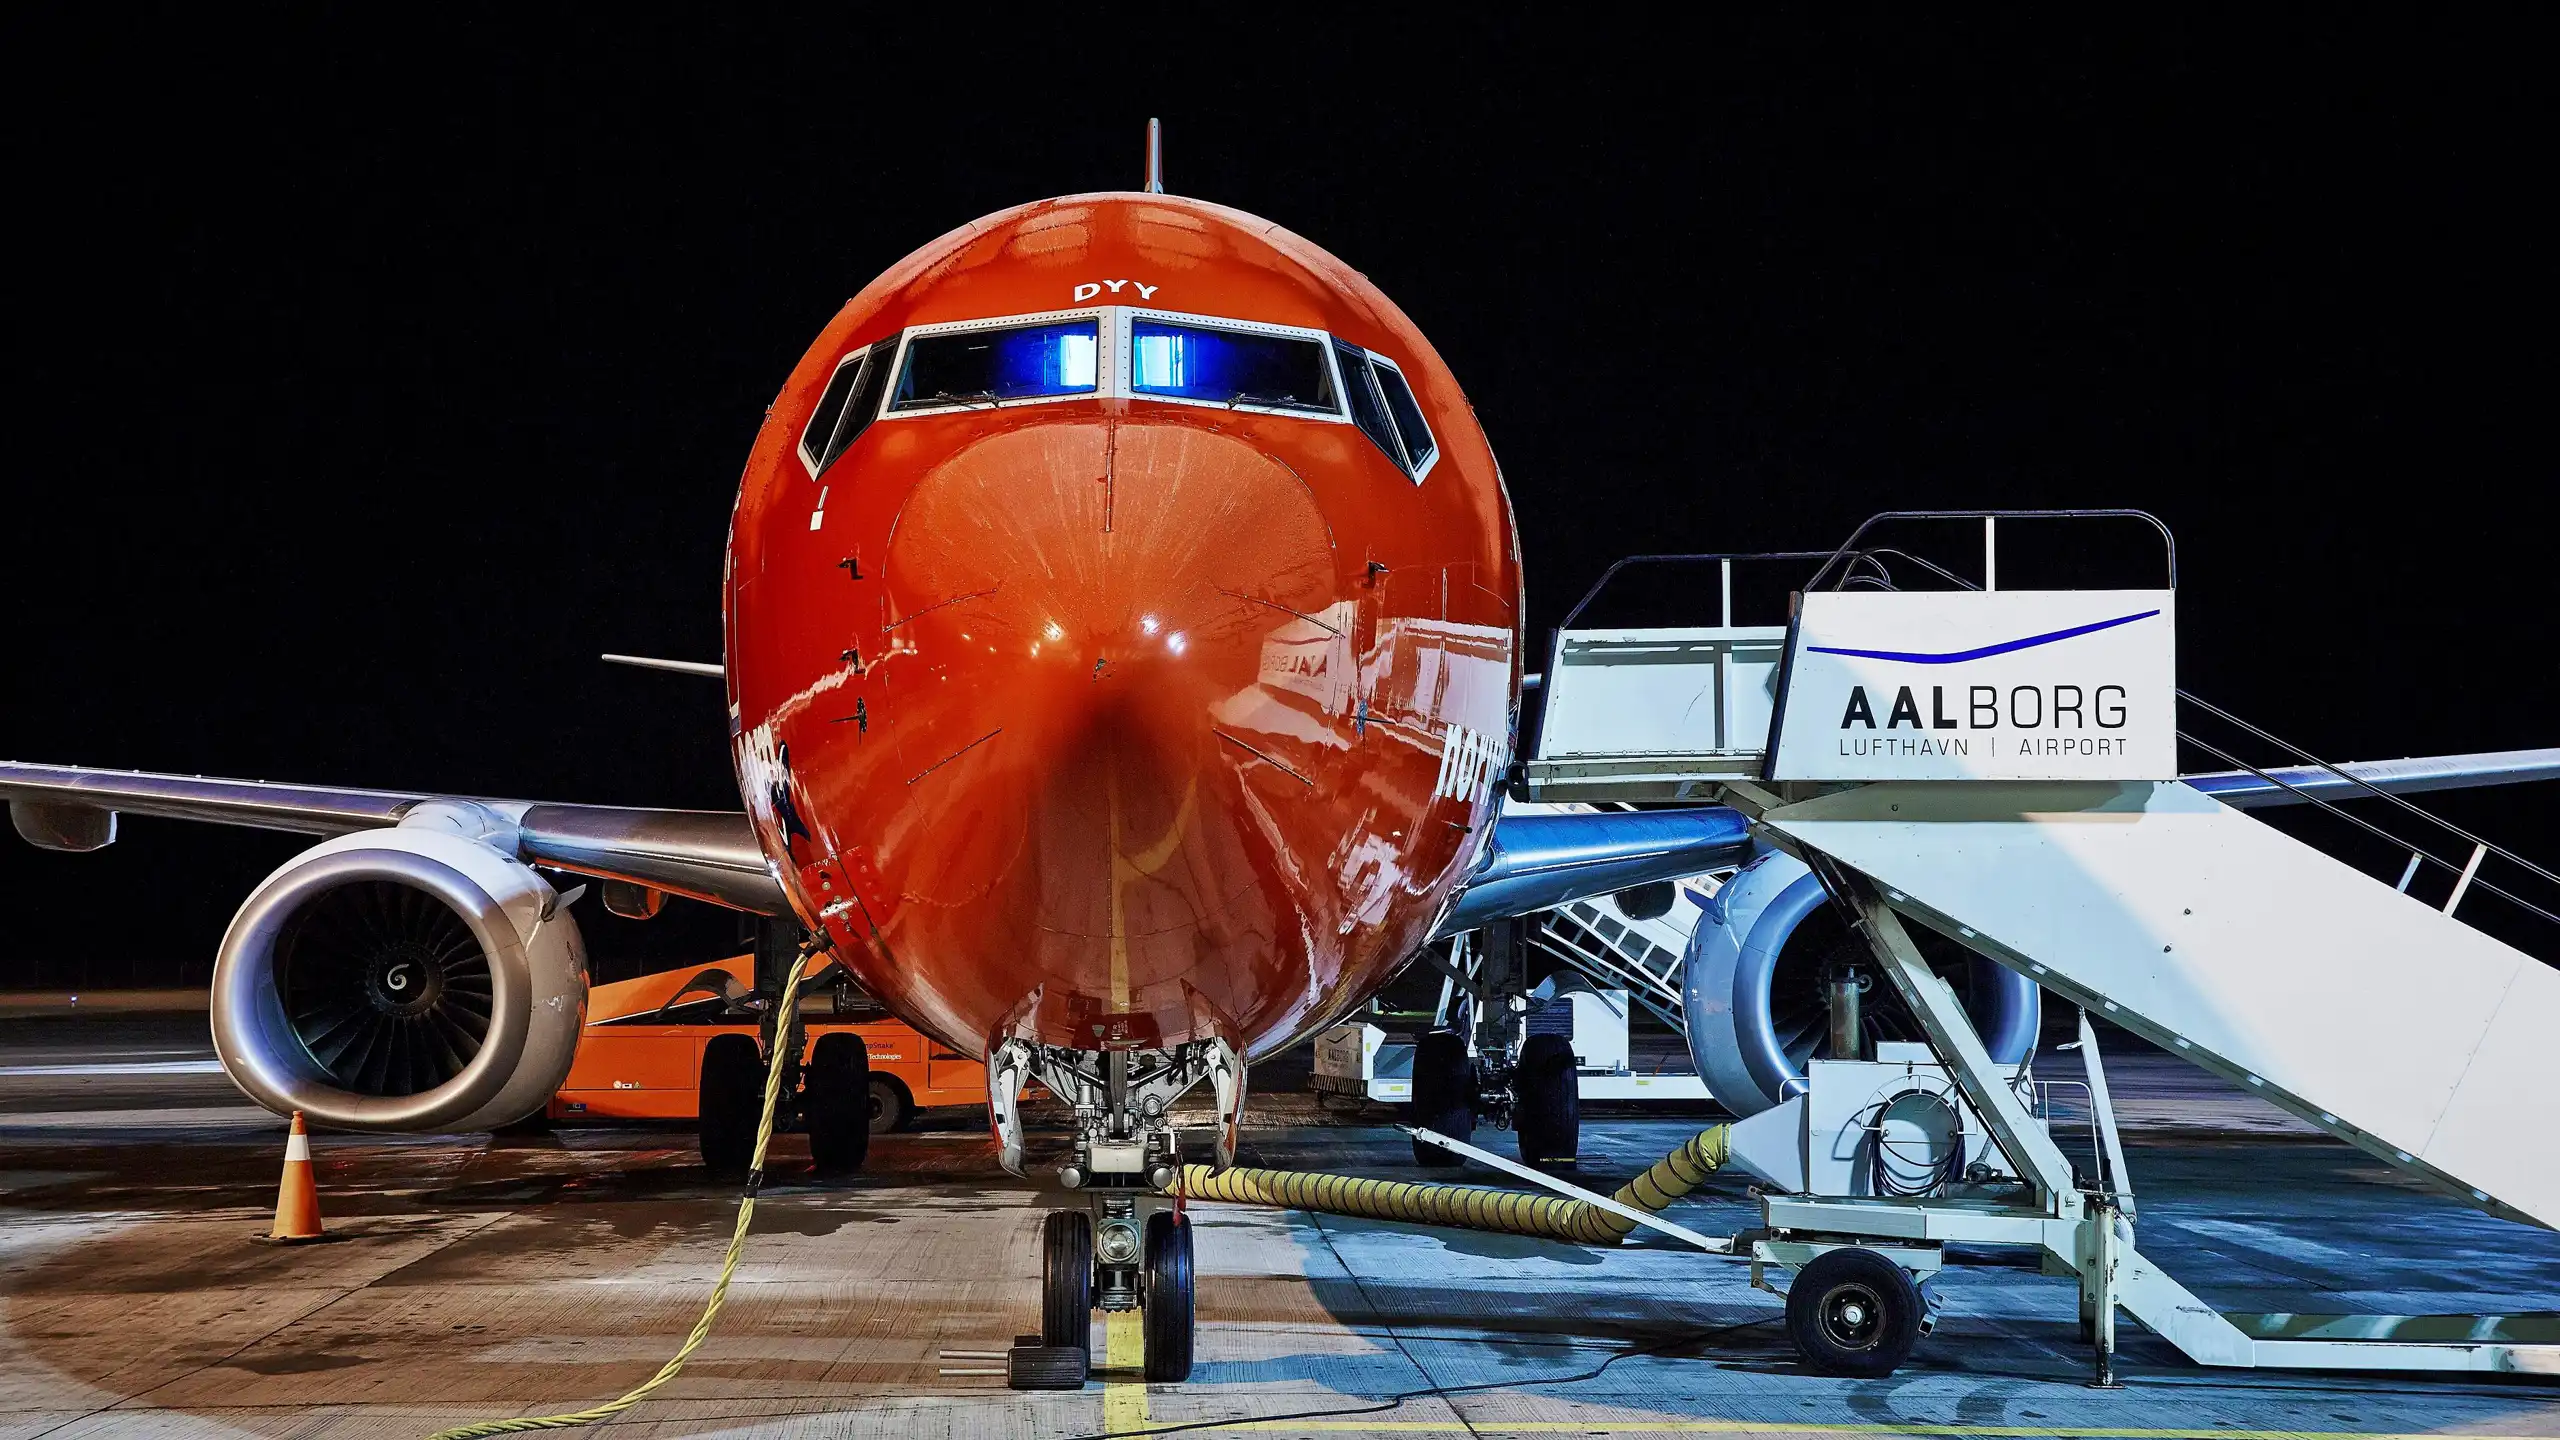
{"type": "Point", "coordinates": [1109, 719]}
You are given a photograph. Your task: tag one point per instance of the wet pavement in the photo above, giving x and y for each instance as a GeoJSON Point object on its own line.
{"type": "Point", "coordinates": [471, 1277]}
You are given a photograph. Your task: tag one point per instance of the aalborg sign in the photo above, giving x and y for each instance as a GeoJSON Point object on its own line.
{"type": "Point", "coordinates": [1981, 685]}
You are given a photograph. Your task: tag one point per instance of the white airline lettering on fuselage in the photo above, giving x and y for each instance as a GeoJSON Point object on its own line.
{"type": "Point", "coordinates": [1469, 760]}
{"type": "Point", "coordinates": [1090, 289]}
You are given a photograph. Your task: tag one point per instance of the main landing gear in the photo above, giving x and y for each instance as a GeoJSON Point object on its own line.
{"type": "Point", "coordinates": [1129, 1245]}
{"type": "Point", "coordinates": [1492, 1062]}
{"type": "Point", "coordinates": [829, 1097]}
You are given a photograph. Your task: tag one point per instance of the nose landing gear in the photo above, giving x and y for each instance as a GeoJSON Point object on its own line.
{"type": "Point", "coordinates": [1129, 1246]}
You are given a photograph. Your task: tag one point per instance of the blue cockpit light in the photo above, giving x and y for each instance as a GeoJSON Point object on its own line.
{"type": "Point", "coordinates": [1018, 363]}
{"type": "Point", "coordinates": [1229, 367]}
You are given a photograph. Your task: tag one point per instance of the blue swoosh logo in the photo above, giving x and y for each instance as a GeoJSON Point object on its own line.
{"type": "Point", "coordinates": [1953, 657]}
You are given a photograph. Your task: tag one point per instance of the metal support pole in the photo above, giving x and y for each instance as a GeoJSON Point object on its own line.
{"type": "Point", "coordinates": [2116, 1180]}
{"type": "Point", "coordinates": [2103, 1248]}
{"type": "Point", "coordinates": [1990, 552]}
{"type": "Point", "coordinates": [2470, 868]}
{"type": "Point", "coordinates": [2411, 873]}
{"type": "Point", "coordinates": [1848, 1029]}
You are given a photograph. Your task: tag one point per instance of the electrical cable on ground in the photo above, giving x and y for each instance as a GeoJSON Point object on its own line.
{"type": "Point", "coordinates": [728, 1265]}
{"type": "Point", "coordinates": [1397, 1400]}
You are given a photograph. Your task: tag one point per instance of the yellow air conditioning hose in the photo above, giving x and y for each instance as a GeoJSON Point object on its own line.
{"type": "Point", "coordinates": [1470, 1207]}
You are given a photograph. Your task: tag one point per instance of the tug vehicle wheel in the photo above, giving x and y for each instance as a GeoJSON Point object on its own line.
{"type": "Point", "coordinates": [889, 1108]}
{"type": "Point", "coordinates": [1853, 1312]}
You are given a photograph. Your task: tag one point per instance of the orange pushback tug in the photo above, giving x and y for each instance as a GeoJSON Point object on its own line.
{"type": "Point", "coordinates": [640, 1055]}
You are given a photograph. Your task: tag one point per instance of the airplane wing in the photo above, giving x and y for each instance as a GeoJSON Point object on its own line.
{"type": "Point", "coordinates": [1540, 860]}
{"type": "Point", "coordinates": [1536, 862]}
{"type": "Point", "coordinates": [704, 854]}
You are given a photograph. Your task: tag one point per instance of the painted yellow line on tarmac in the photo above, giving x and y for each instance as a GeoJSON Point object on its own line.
{"type": "Point", "coordinates": [1808, 1428]}
{"type": "Point", "coordinates": [1124, 1393]}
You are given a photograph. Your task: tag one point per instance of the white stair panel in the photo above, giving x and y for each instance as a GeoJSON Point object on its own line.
{"type": "Point", "coordinates": [2354, 1006]}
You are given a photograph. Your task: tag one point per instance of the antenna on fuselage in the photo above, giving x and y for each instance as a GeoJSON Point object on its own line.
{"type": "Point", "coordinates": [1155, 156]}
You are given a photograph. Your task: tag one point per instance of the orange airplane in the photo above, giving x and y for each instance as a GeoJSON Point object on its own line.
{"type": "Point", "coordinates": [1123, 628]}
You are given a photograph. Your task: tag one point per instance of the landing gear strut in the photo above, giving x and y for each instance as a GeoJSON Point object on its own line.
{"type": "Point", "coordinates": [1128, 1247]}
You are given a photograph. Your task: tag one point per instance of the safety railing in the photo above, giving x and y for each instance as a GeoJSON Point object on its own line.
{"type": "Point", "coordinates": [1862, 566]}
{"type": "Point", "coordinates": [2422, 854]}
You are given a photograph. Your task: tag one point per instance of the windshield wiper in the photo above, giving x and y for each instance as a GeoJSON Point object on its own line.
{"type": "Point", "coordinates": [957, 397]}
{"type": "Point", "coordinates": [1268, 402]}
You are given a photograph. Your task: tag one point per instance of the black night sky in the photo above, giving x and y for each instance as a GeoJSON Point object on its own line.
{"type": "Point", "coordinates": [371, 375]}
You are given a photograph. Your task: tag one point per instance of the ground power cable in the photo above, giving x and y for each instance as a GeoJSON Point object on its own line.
{"type": "Point", "coordinates": [728, 1264]}
{"type": "Point", "coordinates": [1403, 1397]}
{"type": "Point", "coordinates": [1668, 1179]}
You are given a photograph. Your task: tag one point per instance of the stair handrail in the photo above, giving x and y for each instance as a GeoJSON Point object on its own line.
{"type": "Point", "coordinates": [2420, 852]}
{"type": "Point", "coordinates": [1849, 552]}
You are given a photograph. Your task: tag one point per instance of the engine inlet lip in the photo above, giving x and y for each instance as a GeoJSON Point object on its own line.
{"type": "Point", "coordinates": [266, 1058]}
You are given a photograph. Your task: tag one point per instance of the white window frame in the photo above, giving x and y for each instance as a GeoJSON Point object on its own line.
{"type": "Point", "coordinates": [1125, 377]}
{"type": "Point", "coordinates": [808, 461]}
{"type": "Point", "coordinates": [1428, 433]}
{"type": "Point", "coordinates": [1106, 361]}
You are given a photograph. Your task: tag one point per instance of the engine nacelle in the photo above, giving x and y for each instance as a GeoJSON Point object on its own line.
{"type": "Point", "coordinates": [403, 979]}
{"type": "Point", "coordinates": [1753, 995]}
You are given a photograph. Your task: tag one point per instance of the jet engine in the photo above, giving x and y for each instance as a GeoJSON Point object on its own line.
{"type": "Point", "coordinates": [402, 979]}
{"type": "Point", "coordinates": [1759, 973]}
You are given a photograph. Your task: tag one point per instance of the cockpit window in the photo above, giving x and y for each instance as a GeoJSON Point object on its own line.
{"type": "Point", "coordinates": [1229, 367]}
{"type": "Point", "coordinates": [1418, 445]}
{"type": "Point", "coordinates": [1368, 408]}
{"type": "Point", "coordinates": [989, 367]}
{"type": "Point", "coordinates": [851, 400]}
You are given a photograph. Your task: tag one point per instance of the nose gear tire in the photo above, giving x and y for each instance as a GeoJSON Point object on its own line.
{"type": "Point", "coordinates": [1166, 1309]}
{"type": "Point", "coordinates": [1066, 1280]}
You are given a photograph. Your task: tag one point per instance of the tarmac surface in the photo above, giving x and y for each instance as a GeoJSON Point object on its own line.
{"type": "Point", "coordinates": [472, 1277]}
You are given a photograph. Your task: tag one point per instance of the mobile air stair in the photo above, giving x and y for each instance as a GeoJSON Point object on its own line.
{"type": "Point", "coordinates": [1910, 746]}
{"type": "Point", "coordinates": [1639, 953]}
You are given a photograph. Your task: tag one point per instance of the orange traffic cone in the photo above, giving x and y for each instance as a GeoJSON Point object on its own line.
{"type": "Point", "coordinates": [297, 1199]}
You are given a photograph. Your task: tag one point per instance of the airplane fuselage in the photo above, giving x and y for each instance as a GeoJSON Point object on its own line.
{"type": "Point", "coordinates": [1116, 657]}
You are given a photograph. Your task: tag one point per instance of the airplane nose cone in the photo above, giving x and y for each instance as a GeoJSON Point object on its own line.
{"type": "Point", "coordinates": [1084, 620]}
